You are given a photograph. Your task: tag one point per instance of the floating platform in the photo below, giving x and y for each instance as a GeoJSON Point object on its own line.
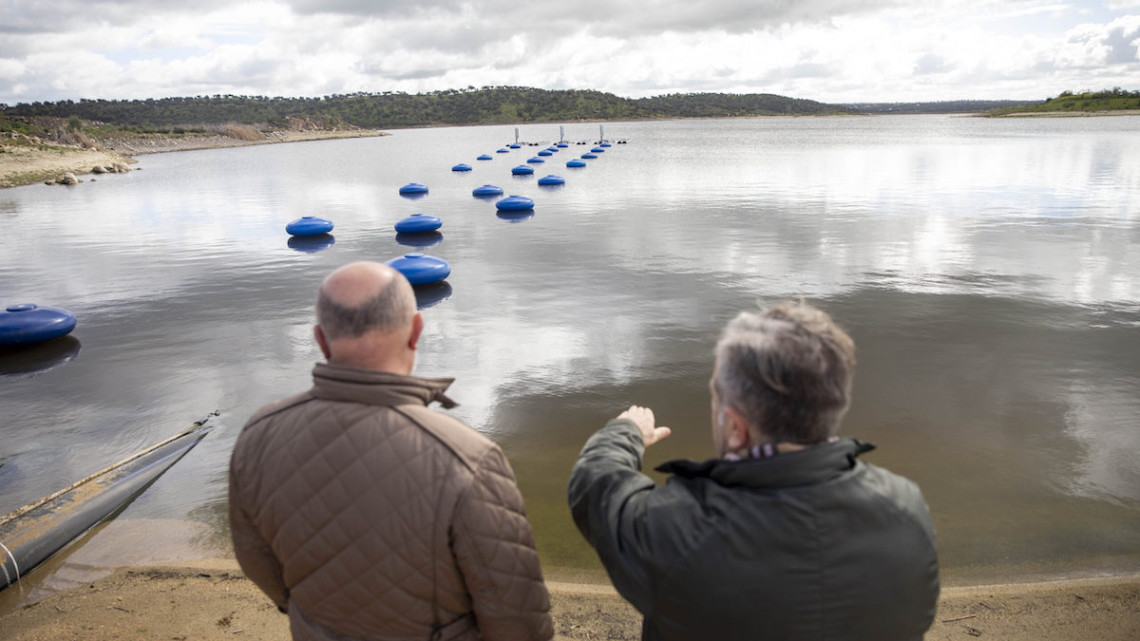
{"type": "Point", "coordinates": [412, 189]}
{"type": "Point", "coordinates": [551, 180]}
{"type": "Point", "coordinates": [418, 224]}
{"type": "Point", "coordinates": [522, 170]}
{"type": "Point", "coordinates": [421, 269]}
{"type": "Point", "coordinates": [515, 203]}
{"type": "Point", "coordinates": [309, 226]}
{"type": "Point", "coordinates": [461, 167]}
{"type": "Point", "coordinates": [29, 324]}
{"type": "Point", "coordinates": [487, 190]}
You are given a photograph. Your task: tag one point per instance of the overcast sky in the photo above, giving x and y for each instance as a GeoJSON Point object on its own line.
{"type": "Point", "coordinates": [826, 50]}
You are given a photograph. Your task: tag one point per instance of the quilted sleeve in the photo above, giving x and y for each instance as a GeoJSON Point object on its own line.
{"type": "Point", "coordinates": [494, 547]}
{"type": "Point", "coordinates": [253, 552]}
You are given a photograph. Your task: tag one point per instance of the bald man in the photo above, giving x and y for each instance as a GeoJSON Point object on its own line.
{"type": "Point", "coordinates": [364, 514]}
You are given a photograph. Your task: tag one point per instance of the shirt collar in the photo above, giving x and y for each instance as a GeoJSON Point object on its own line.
{"type": "Point", "coordinates": [341, 383]}
{"type": "Point", "coordinates": [805, 467]}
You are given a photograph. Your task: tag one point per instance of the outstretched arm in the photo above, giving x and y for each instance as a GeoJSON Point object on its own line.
{"type": "Point", "coordinates": [608, 496]}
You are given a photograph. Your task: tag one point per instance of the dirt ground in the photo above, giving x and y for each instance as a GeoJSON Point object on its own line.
{"type": "Point", "coordinates": [212, 600]}
{"type": "Point", "coordinates": [24, 163]}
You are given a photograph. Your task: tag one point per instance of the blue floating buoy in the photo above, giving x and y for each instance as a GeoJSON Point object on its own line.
{"type": "Point", "coordinates": [484, 157]}
{"type": "Point", "coordinates": [522, 170]}
{"type": "Point", "coordinates": [309, 226]}
{"type": "Point", "coordinates": [487, 190]}
{"type": "Point", "coordinates": [597, 150]}
{"type": "Point", "coordinates": [547, 181]}
{"type": "Point", "coordinates": [421, 269]}
{"type": "Point", "coordinates": [28, 324]}
{"type": "Point", "coordinates": [605, 144]}
{"type": "Point", "coordinates": [545, 152]}
{"type": "Point", "coordinates": [535, 161]}
{"type": "Point", "coordinates": [414, 188]}
{"type": "Point", "coordinates": [421, 240]}
{"type": "Point", "coordinates": [311, 244]}
{"type": "Point", "coordinates": [461, 167]}
{"type": "Point", "coordinates": [503, 151]}
{"type": "Point", "coordinates": [562, 145]}
{"type": "Point", "coordinates": [418, 223]}
{"type": "Point", "coordinates": [552, 149]}
{"type": "Point", "coordinates": [516, 146]}
{"type": "Point", "coordinates": [575, 163]}
{"type": "Point", "coordinates": [515, 203]}
{"type": "Point", "coordinates": [589, 156]}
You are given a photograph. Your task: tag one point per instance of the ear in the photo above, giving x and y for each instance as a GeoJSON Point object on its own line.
{"type": "Point", "coordinates": [322, 341]}
{"type": "Point", "coordinates": [417, 329]}
{"type": "Point", "coordinates": [736, 434]}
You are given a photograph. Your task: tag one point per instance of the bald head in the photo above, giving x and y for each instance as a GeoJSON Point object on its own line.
{"type": "Point", "coordinates": [365, 312]}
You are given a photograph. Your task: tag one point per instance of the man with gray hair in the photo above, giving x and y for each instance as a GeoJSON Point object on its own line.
{"type": "Point", "coordinates": [364, 514]}
{"type": "Point", "coordinates": [786, 534]}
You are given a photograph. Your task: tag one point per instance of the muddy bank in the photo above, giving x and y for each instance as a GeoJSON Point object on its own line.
{"type": "Point", "coordinates": [212, 600]}
{"type": "Point", "coordinates": [26, 160]}
{"type": "Point", "coordinates": [27, 164]}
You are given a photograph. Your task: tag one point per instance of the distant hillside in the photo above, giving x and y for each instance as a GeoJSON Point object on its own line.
{"type": "Point", "coordinates": [941, 107]}
{"type": "Point", "coordinates": [490, 105]}
{"type": "Point", "coordinates": [1115, 99]}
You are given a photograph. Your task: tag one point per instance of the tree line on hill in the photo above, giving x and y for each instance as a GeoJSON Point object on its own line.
{"type": "Point", "coordinates": [495, 105]}
{"type": "Point", "coordinates": [390, 110]}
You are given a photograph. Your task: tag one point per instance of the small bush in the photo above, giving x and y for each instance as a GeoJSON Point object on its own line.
{"type": "Point", "coordinates": [242, 132]}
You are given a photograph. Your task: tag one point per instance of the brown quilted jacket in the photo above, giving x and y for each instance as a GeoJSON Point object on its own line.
{"type": "Point", "coordinates": [369, 516]}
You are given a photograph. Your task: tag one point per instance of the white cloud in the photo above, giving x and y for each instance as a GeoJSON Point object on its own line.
{"type": "Point", "coordinates": [829, 50]}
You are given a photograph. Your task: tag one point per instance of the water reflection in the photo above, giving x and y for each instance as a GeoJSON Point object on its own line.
{"type": "Point", "coordinates": [421, 239]}
{"type": "Point", "coordinates": [311, 244]}
{"type": "Point", "coordinates": [988, 270]}
{"type": "Point", "coordinates": [36, 359]}
{"type": "Point", "coordinates": [431, 295]}
{"type": "Point", "coordinates": [515, 216]}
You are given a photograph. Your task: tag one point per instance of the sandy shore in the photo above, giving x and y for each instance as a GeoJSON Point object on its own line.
{"type": "Point", "coordinates": [26, 163]}
{"type": "Point", "coordinates": [212, 600]}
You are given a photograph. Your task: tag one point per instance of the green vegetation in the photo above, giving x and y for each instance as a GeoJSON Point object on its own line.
{"type": "Point", "coordinates": [1115, 99]}
{"type": "Point", "coordinates": [489, 105]}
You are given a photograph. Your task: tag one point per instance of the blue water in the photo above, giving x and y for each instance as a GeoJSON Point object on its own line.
{"type": "Point", "coordinates": [989, 271]}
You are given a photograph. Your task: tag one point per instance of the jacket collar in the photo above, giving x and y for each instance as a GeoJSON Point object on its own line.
{"type": "Point", "coordinates": [806, 467]}
{"type": "Point", "coordinates": [340, 383]}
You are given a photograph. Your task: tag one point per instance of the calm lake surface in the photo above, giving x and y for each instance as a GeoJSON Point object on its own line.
{"type": "Point", "coordinates": [989, 271]}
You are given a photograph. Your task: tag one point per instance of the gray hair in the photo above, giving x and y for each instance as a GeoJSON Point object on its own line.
{"type": "Point", "coordinates": [390, 309]}
{"type": "Point", "coordinates": [788, 370]}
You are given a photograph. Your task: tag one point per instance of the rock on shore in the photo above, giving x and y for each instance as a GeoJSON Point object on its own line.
{"type": "Point", "coordinates": [27, 161]}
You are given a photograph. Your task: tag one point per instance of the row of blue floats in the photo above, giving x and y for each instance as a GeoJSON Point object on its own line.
{"type": "Point", "coordinates": [422, 230]}
{"type": "Point", "coordinates": [421, 269]}
{"type": "Point", "coordinates": [27, 324]}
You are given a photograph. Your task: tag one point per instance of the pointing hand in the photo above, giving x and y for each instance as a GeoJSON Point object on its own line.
{"type": "Point", "coordinates": [643, 417]}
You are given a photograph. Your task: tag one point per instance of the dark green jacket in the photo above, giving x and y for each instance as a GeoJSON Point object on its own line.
{"type": "Point", "coordinates": [812, 545]}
